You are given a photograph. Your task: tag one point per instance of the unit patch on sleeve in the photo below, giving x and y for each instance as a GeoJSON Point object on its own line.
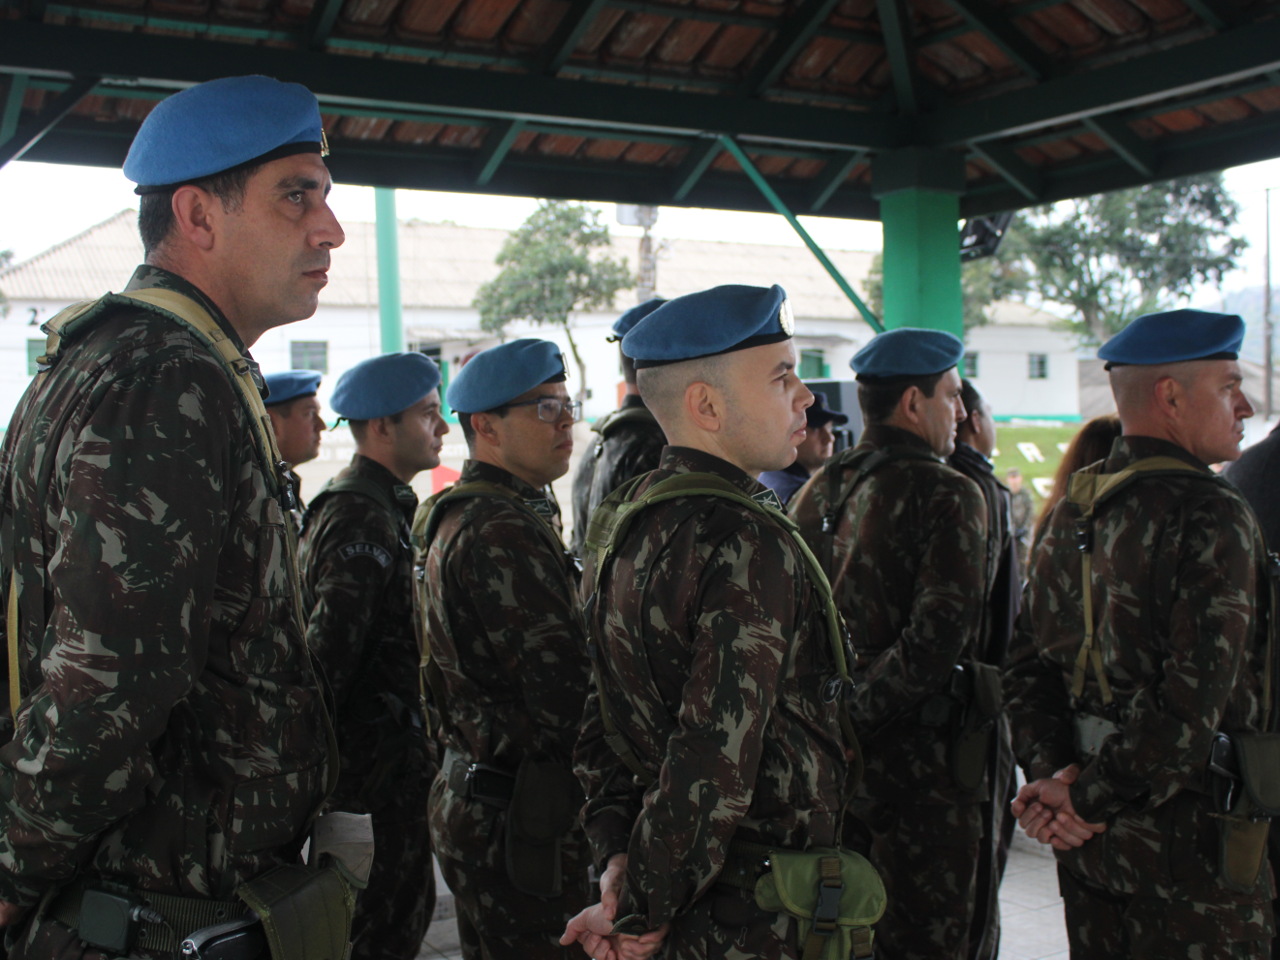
{"type": "Point", "coordinates": [352, 550]}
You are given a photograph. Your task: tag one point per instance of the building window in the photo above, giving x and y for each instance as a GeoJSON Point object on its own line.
{"type": "Point", "coordinates": [970, 367]}
{"type": "Point", "coordinates": [309, 355]}
{"type": "Point", "coordinates": [1038, 366]}
{"type": "Point", "coordinates": [813, 365]}
{"type": "Point", "coordinates": [35, 350]}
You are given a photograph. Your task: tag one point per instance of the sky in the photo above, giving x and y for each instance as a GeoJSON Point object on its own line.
{"type": "Point", "coordinates": [44, 204]}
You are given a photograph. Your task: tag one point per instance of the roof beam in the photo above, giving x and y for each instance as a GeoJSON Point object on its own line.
{"type": "Point", "coordinates": [1024, 178]}
{"type": "Point", "coordinates": [1231, 57]}
{"type": "Point", "coordinates": [998, 27]}
{"type": "Point", "coordinates": [320, 23]}
{"type": "Point", "coordinates": [497, 144]}
{"type": "Point", "coordinates": [832, 178]}
{"type": "Point", "coordinates": [1131, 148]}
{"type": "Point", "coordinates": [12, 108]}
{"type": "Point", "coordinates": [569, 32]}
{"type": "Point", "coordinates": [27, 134]}
{"type": "Point", "coordinates": [792, 37]}
{"type": "Point", "coordinates": [895, 22]}
{"type": "Point", "coordinates": [1213, 12]}
{"type": "Point", "coordinates": [476, 94]}
{"type": "Point", "coordinates": [695, 164]}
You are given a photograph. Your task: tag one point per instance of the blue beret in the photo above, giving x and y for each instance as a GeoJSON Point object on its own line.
{"type": "Point", "coordinates": [622, 326]}
{"type": "Point", "coordinates": [907, 352]}
{"type": "Point", "coordinates": [290, 385]}
{"type": "Point", "coordinates": [216, 126]}
{"type": "Point", "coordinates": [1175, 336]}
{"type": "Point", "coordinates": [500, 374]}
{"type": "Point", "coordinates": [385, 385]}
{"type": "Point", "coordinates": [715, 321]}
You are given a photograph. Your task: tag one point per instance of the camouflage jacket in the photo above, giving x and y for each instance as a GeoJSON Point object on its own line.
{"type": "Point", "coordinates": [628, 443]}
{"type": "Point", "coordinates": [713, 653]}
{"type": "Point", "coordinates": [1175, 580]}
{"type": "Point", "coordinates": [502, 624]}
{"type": "Point", "coordinates": [172, 732]}
{"type": "Point", "coordinates": [357, 580]}
{"type": "Point", "coordinates": [1003, 574]}
{"type": "Point", "coordinates": [908, 575]}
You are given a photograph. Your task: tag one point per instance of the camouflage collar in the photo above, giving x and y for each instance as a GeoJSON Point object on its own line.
{"type": "Point", "coordinates": [401, 493]}
{"type": "Point", "coordinates": [1130, 449]}
{"type": "Point", "coordinates": [147, 276]}
{"type": "Point", "coordinates": [883, 435]}
{"type": "Point", "coordinates": [688, 460]}
{"type": "Point", "coordinates": [541, 502]}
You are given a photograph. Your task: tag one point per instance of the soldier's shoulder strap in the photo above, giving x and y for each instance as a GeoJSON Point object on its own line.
{"type": "Point", "coordinates": [1088, 489]}
{"type": "Point", "coordinates": [609, 525]}
{"type": "Point", "coordinates": [361, 486]}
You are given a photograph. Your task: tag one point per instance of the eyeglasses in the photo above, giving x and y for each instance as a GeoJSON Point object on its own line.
{"type": "Point", "coordinates": [552, 409]}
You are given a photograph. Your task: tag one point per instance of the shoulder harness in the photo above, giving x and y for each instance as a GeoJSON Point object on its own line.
{"type": "Point", "coordinates": [609, 525]}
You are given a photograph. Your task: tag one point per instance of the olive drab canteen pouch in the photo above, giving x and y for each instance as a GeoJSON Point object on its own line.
{"type": "Point", "coordinates": [306, 913]}
{"type": "Point", "coordinates": [1246, 825]}
{"type": "Point", "coordinates": [977, 688]}
{"type": "Point", "coordinates": [834, 895]}
{"type": "Point", "coordinates": [541, 812]}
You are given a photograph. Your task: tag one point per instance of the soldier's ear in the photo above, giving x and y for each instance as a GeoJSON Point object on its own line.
{"type": "Point", "coordinates": [193, 215]}
{"type": "Point", "coordinates": [486, 428]}
{"type": "Point", "coordinates": [704, 405]}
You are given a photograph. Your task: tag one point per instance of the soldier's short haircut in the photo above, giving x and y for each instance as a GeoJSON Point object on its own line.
{"type": "Point", "coordinates": [970, 397]}
{"type": "Point", "coordinates": [155, 210]}
{"type": "Point", "coordinates": [663, 388]}
{"type": "Point", "coordinates": [360, 427]}
{"type": "Point", "coordinates": [1133, 385]}
{"type": "Point", "coordinates": [879, 398]}
{"type": "Point", "coordinates": [469, 432]}
{"type": "Point", "coordinates": [628, 369]}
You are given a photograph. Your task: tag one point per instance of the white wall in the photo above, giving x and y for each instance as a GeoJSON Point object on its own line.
{"type": "Point", "coordinates": [1003, 371]}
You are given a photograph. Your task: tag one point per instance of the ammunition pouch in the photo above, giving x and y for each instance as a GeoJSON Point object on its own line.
{"type": "Point", "coordinates": [305, 913]}
{"type": "Point", "coordinates": [1091, 732]}
{"type": "Point", "coordinates": [544, 807]}
{"type": "Point", "coordinates": [834, 895]}
{"type": "Point", "coordinates": [976, 688]}
{"type": "Point", "coordinates": [1244, 771]}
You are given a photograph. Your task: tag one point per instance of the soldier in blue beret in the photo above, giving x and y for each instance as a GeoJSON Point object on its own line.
{"type": "Point", "coordinates": [357, 579]}
{"type": "Point", "coordinates": [186, 717]}
{"type": "Point", "coordinates": [628, 441]}
{"type": "Point", "coordinates": [294, 410]}
{"type": "Point", "coordinates": [712, 642]}
{"type": "Point", "coordinates": [1139, 669]}
{"type": "Point", "coordinates": [508, 666]}
{"type": "Point", "coordinates": [905, 541]}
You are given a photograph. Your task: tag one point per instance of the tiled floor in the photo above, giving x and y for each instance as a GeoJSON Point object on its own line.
{"type": "Point", "coordinates": [1030, 911]}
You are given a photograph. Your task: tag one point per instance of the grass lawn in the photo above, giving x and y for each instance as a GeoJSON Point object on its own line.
{"type": "Point", "coordinates": [1035, 450]}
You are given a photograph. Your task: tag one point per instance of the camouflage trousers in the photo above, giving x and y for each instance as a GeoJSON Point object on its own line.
{"type": "Point", "coordinates": [498, 922]}
{"type": "Point", "coordinates": [1106, 926]}
{"type": "Point", "coordinates": [928, 857]}
{"type": "Point", "coordinates": [993, 853]}
{"type": "Point", "coordinates": [726, 924]}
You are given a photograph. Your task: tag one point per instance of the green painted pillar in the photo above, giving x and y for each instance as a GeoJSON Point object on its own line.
{"type": "Point", "coordinates": [389, 313]}
{"type": "Point", "coordinates": [919, 193]}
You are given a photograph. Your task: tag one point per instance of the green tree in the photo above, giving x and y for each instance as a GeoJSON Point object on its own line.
{"type": "Point", "coordinates": [982, 283]}
{"type": "Point", "coordinates": [552, 265]}
{"type": "Point", "coordinates": [1115, 256]}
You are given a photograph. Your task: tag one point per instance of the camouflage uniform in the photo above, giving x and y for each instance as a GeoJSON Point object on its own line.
{"type": "Point", "coordinates": [1003, 593]}
{"type": "Point", "coordinates": [1022, 507]}
{"type": "Point", "coordinates": [907, 572]}
{"type": "Point", "coordinates": [714, 670]}
{"type": "Point", "coordinates": [629, 443]}
{"type": "Point", "coordinates": [1175, 579]}
{"type": "Point", "coordinates": [503, 628]}
{"type": "Point", "coordinates": [357, 570]}
{"type": "Point", "coordinates": [172, 738]}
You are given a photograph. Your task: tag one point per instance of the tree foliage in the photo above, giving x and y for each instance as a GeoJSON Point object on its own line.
{"type": "Point", "coordinates": [553, 265]}
{"type": "Point", "coordinates": [1115, 256]}
{"type": "Point", "coordinates": [982, 283]}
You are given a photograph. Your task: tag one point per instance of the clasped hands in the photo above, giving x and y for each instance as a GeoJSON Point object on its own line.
{"type": "Point", "coordinates": [1044, 810]}
{"type": "Point", "coordinates": [591, 928]}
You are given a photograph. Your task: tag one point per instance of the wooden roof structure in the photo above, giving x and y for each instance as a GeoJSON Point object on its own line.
{"type": "Point", "coordinates": [632, 100]}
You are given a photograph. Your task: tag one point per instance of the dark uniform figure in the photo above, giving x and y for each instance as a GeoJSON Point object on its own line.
{"type": "Point", "coordinates": [508, 666]}
{"type": "Point", "coordinates": [294, 410]}
{"type": "Point", "coordinates": [713, 652]}
{"type": "Point", "coordinates": [1257, 475]}
{"type": "Point", "coordinates": [170, 743]}
{"type": "Point", "coordinates": [1142, 645]}
{"type": "Point", "coordinates": [628, 441]}
{"type": "Point", "coordinates": [357, 571]}
{"type": "Point", "coordinates": [906, 538]}
{"type": "Point", "coordinates": [975, 443]}
{"type": "Point", "coordinates": [819, 445]}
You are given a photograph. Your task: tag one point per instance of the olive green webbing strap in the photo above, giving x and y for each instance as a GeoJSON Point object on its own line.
{"type": "Point", "coordinates": [863, 462]}
{"type": "Point", "coordinates": [1087, 491]}
{"type": "Point", "coordinates": [709, 485]}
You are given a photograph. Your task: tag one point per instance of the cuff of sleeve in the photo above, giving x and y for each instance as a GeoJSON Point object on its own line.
{"type": "Point", "coordinates": [1094, 799]}
{"type": "Point", "coordinates": [633, 924]}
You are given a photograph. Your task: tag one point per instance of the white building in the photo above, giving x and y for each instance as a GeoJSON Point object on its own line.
{"type": "Point", "coordinates": [1024, 366]}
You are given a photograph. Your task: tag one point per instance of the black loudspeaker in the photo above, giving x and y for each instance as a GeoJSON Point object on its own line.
{"type": "Point", "coordinates": [841, 395]}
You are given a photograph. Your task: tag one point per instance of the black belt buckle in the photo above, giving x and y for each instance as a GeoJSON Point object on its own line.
{"type": "Point", "coordinates": [243, 939]}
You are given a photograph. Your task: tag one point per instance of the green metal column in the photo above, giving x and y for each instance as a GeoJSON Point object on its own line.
{"type": "Point", "coordinates": [919, 193]}
{"type": "Point", "coordinates": [389, 312]}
